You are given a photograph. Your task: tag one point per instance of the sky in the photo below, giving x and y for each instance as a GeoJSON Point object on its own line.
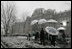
{"type": "Point", "coordinates": [28, 7]}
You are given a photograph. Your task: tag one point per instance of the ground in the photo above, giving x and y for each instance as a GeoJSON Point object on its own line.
{"type": "Point", "coordinates": [22, 42]}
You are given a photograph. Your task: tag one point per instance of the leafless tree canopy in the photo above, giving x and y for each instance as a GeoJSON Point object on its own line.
{"type": "Point", "coordinates": [7, 15]}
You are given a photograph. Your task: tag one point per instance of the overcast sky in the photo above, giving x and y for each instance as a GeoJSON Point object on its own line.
{"type": "Point", "coordinates": [29, 6]}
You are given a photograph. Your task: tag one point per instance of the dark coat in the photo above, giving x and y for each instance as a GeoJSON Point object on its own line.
{"type": "Point", "coordinates": [46, 36]}
{"type": "Point", "coordinates": [42, 34]}
{"type": "Point", "coordinates": [63, 33]}
{"type": "Point", "coordinates": [37, 35]}
{"type": "Point", "coordinates": [53, 39]}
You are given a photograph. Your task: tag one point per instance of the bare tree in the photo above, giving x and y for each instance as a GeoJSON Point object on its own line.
{"type": "Point", "coordinates": [7, 15]}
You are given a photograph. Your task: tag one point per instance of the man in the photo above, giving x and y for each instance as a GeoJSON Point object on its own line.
{"type": "Point", "coordinates": [46, 38]}
{"type": "Point", "coordinates": [42, 36]}
{"type": "Point", "coordinates": [29, 36]}
{"type": "Point", "coordinates": [53, 40]}
{"type": "Point", "coordinates": [36, 36]}
{"type": "Point", "coordinates": [63, 36]}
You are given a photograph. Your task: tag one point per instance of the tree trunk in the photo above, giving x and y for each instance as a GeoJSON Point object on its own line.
{"type": "Point", "coordinates": [6, 31]}
{"type": "Point", "coordinates": [11, 30]}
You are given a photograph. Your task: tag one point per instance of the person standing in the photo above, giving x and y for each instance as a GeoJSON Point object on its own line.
{"type": "Point", "coordinates": [42, 36]}
{"type": "Point", "coordinates": [36, 36]}
{"type": "Point", "coordinates": [29, 36]}
{"type": "Point", "coordinates": [46, 38]}
{"type": "Point", "coordinates": [53, 40]}
{"type": "Point", "coordinates": [63, 36]}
